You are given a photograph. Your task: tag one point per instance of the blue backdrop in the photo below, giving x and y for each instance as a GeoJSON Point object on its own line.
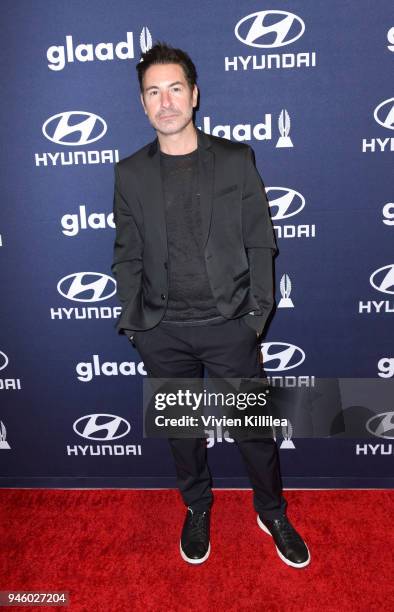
{"type": "Point", "coordinates": [309, 86]}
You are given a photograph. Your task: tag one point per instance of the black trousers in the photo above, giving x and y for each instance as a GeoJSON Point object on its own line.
{"type": "Point", "coordinates": [227, 349]}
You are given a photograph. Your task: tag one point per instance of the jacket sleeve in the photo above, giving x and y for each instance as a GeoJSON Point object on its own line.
{"type": "Point", "coordinates": [128, 248]}
{"type": "Point", "coordinates": [259, 241]}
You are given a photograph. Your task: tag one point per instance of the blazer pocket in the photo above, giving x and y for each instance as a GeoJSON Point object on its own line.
{"type": "Point", "coordinates": [225, 191]}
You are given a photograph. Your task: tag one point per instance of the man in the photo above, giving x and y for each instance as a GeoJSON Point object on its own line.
{"type": "Point", "coordinates": [193, 264]}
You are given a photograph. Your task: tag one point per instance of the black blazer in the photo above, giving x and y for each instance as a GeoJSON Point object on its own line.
{"type": "Point", "coordinates": [238, 235]}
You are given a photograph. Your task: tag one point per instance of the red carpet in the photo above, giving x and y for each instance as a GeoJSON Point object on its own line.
{"type": "Point", "coordinates": [117, 550]}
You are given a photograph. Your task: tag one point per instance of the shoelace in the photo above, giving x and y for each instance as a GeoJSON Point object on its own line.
{"type": "Point", "coordinates": [198, 526]}
{"type": "Point", "coordinates": [287, 532]}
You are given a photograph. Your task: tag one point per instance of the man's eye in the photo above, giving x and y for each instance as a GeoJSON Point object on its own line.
{"type": "Point", "coordinates": [176, 89]}
{"type": "Point", "coordinates": [152, 93]}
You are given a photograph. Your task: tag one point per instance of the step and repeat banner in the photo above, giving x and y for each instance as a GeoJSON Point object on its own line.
{"type": "Point", "coordinates": [309, 85]}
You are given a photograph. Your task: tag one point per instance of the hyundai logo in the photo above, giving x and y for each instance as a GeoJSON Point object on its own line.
{"type": "Point", "coordinates": [281, 356]}
{"type": "Point", "coordinates": [381, 425]}
{"type": "Point", "coordinates": [384, 114]}
{"type": "Point", "coordinates": [74, 128]}
{"type": "Point", "coordinates": [87, 287]}
{"type": "Point", "coordinates": [102, 427]}
{"type": "Point", "coordinates": [268, 29]}
{"type": "Point", "coordinates": [383, 279]}
{"type": "Point", "coordinates": [3, 360]}
{"type": "Point", "coordinates": [287, 201]}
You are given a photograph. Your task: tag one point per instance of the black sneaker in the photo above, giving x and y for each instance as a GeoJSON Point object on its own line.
{"type": "Point", "coordinates": [194, 545]}
{"type": "Point", "coordinates": [290, 547]}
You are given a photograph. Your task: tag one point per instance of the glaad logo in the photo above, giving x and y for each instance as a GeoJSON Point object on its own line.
{"type": "Point", "coordinates": [382, 425]}
{"type": "Point", "coordinates": [281, 356]}
{"type": "Point", "coordinates": [8, 384]}
{"type": "Point", "coordinates": [386, 367]}
{"type": "Point", "coordinates": [102, 428]}
{"type": "Point", "coordinates": [73, 223]}
{"type": "Point", "coordinates": [285, 290]}
{"type": "Point", "coordinates": [145, 40]}
{"type": "Point", "coordinates": [256, 34]}
{"type": "Point", "coordinates": [287, 433]}
{"type": "Point", "coordinates": [382, 280]}
{"type": "Point", "coordinates": [86, 287]}
{"type": "Point", "coordinates": [390, 39]}
{"type": "Point", "coordinates": [217, 435]}
{"type": "Point", "coordinates": [242, 132]}
{"type": "Point", "coordinates": [270, 29]}
{"type": "Point", "coordinates": [58, 56]}
{"type": "Point", "coordinates": [284, 129]}
{"type": "Point", "coordinates": [384, 116]}
{"type": "Point", "coordinates": [285, 203]}
{"type": "Point", "coordinates": [73, 128]}
{"type": "Point", "coordinates": [3, 434]}
{"type": "Point", "coordinates": [388, 214]}
{"type": "Point", "coordinates": [86, 369]}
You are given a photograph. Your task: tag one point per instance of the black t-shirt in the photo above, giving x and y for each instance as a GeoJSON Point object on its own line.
{"type": "Point", "coordinates": [190, 296]}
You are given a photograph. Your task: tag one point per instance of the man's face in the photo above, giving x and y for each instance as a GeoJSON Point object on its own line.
{"type": "Point", "coordinates": [167, 98]}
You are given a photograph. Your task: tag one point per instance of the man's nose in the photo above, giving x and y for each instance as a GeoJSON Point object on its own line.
{"type": "Point", "coordinates": [165, 99]}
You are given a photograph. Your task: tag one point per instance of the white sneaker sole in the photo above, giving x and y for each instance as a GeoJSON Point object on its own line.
{"type": "Point", "coordinates": [291, 563]}
{"type": "Point", "coordinates": [194, 561]}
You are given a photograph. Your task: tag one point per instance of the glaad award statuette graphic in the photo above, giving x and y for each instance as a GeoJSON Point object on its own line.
{"type": "Point", "coordinates": [3, 435]}
{"type": "Point", "coordinates": [287, 432]}
{"type": "Point", "coordinates": [285, 290]}
{"type": "Point", "coordinates": [145, 40]}
{"type": "Point", "coordinates": [284, 128]}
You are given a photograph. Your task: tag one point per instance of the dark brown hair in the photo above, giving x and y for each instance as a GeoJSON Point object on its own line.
{"type": "Point", "coordinates": [161, 53]}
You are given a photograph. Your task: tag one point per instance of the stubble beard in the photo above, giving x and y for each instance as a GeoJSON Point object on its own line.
{"type": "Point", "coordinates": [173, 129]}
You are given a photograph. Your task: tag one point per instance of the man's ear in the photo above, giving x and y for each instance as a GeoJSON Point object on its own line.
{"type": "Point", "coordinates": [143, 103]}
{"type": "Point", "coordinates": [195, 95]}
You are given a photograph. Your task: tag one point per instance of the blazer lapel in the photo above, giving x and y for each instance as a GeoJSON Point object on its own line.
{"type": "Point", "coordinates": [206, 169]}
{"type": "Point", "coordinates": [155, 199]}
